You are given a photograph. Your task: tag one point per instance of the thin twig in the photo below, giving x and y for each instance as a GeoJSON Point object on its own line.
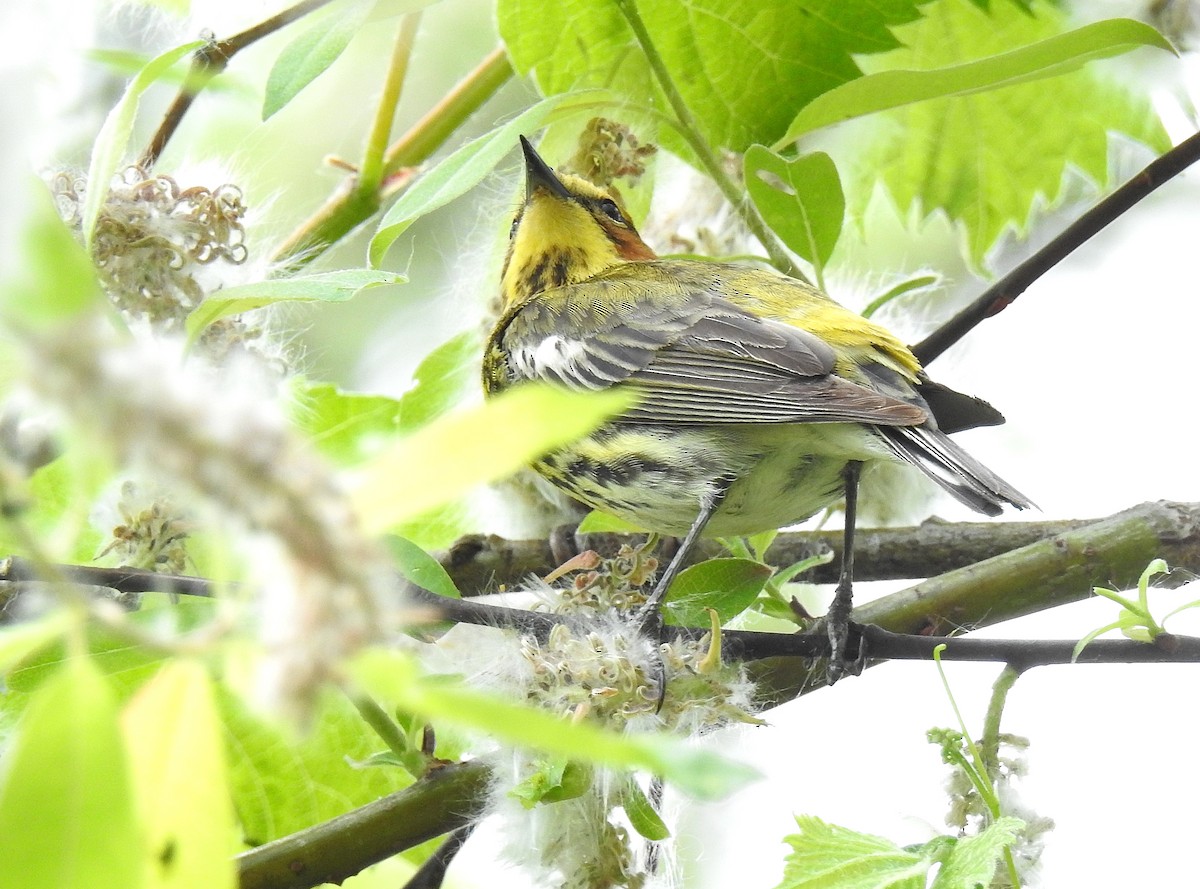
{"type": "Point", "coordinates": [432, 874]}
{"type": "Point", "coordinates": [689, 128]}
{"type": "Point", "coordinates": [370, 170]}
{"type": "Point", "coordinates": [209, 61]}
{"type": "Point", "coordinates": [350, 206]}
{"type": "Point", "coordinates": [1001, 295]}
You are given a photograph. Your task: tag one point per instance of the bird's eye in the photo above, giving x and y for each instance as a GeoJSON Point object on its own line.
{"type": "Point", "coordinates": [610, 209]}
{"type": "Point", "coordinates": [512, 229]}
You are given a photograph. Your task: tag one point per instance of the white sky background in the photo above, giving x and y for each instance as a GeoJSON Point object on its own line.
{"type": "Point", "coordinates": [1095, 369]}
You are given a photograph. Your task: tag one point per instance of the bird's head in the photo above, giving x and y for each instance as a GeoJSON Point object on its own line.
{"type": "Point", "coordinates": [566, 231]}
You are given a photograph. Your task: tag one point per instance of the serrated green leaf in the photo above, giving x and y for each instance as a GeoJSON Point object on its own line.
{"type": "Point", "coordinates": [391, 676]}
{"type": "Point", "coordinates": [986, 158]}
{"type": "Point", "coordinates": [66, 805]}
{"type": "Point", "coordinates": [336, 286]}
{"type": "Point", "coordinates": [446, 459]}
{"type": "Point", "coordinates": [742, 68]}
{"type": "Point", "coordinates": [728, 586]}
{"type": "Point", "coordinates": [182, 785]}
{"type": "Point", "coordinates": [801, 200]}
{"type": "Point", "coordinates": [283, 783]}
{"type": "Point", "coordinates": [1051, 57]}
{"type": "Point", "coordinates": [468, 166]}
{"type": "Point", "coordinates": [421, 568]}
{"type": "Point", "coordinates": [442, 380]}
{"type": "Point", "coordinates": [311, 53]}
{"type": "Point", "coordinates": [114, 135]}
{"type": "Point", "coordinates": [825, 856]}
{"type": "Point", "coordinates": [972, 861]}
{"type": "Point", "coordinates": [55, 279]}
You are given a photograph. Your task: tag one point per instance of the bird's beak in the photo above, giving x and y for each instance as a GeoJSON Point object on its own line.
{"type": "Point", "coordinates": [539, 175]}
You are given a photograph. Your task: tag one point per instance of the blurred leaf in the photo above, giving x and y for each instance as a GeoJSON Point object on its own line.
{"type": "Point", "coordinates": [446, 459]}
{"type": "Point", "coordinates": [308, 56]}
{"type": "Point", "coordinates": [801, 200]}
{"type": "Point", "coordinates": [19, 641]}
{"type": "Point", "coordinates": [742, 68]}
{"type": "Point", "coordinates": [728, 586]}
{"type": "Point", "coordinates": [392, 676]}
{"type": "Point", "coordinates": [66, 806]}
{"type": "Point", "coordinates": [55, 280]}
{"type": "Point", "coordinates": [1050, 57]}
{"type": "Point", "coordinates": [57, 504]}
{"type": "Point", "coordinates": [468, 166]}
{"type": "Point", "coordinates": [336, 286]}
{"type": "Point", "coordinates": [182, 785]}
{"type": "Point", "coordinates": [347, 427]}
{"type": "Point", "coordinates": [421, 568]}
{"type": "Point", "coordinates": [114, 135]}
{"type": "Point", "coordinates": [600, 522]}
{"type": "Point", "coordinates": [825, 856]}
{"type": "Point", "coordinates": [987, 158]}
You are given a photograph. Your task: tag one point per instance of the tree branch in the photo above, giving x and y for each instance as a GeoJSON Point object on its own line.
{"type": "Point", "coordinates": [443, 801]}
{"type": "Point", "coordinates": [1000, 295]}
{"type": "Point", "coordinates": [209, 61]}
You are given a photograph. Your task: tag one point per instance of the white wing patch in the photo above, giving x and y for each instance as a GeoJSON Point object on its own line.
{"type": "Point", "coordinates": [556, 358]}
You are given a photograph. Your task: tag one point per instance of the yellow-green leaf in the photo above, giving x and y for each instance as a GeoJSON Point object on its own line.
{"type": "Point", "coordinates": [180, 780]}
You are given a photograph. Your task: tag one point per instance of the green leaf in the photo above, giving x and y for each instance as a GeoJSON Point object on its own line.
{"type": "Point", "coordinates": [825, 856]}
{"type": "Point", "coordinates": [19, 641]}
{"type": "Point", "coordinates": [390, 675]}
{"type": "Point", "coordinates": [66, 806]}
{"type": "Point", "coordinates": [57, 505]}
{"type": "Point", "coordinates": [114, 135]}
{"type": "Point", "coordinates": [442, 380]}
{"type": "Point", "coordinates": [555, 780]}
{"type": "Point", "coordinates": [801, 200]}
{"type": "Point", "coordinates": [742, 68]}
{"type": "Point", "coordinates": [972, 861]}
{"type": "Point", "coordinates": [1046, 58]}
{"type": "Point", "coordinates": [446, 459]}
{"type": "Point", "coordinates": [988, 157]}
{"type": "Point", "coordinates": [421, 568]}
{"type": "Point", "coordinates": [466, 168]}
{"type": "Point", "coordinates": [600, 522]}
{"type": "Point", "coordinates": [641, 812]}
{"type": "Point", "coordinates": [347, 427]}
{"type": "Point", "coordinates": [55, 279]}
{"type": "Point", "coordinates": [283, 783]}
{"type": "Point", "coordinates": [176, 746]}
{"type": "Point", "coordinates": [336, 286]}
{"type": "Point", "coordinates": [728, 586]}
{"type": "Point", "coordinates": [308, 55]}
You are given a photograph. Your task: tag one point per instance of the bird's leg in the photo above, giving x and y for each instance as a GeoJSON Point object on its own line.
{"type": "Point", "coordinates": [650, 614]}
{"type": "Point", "coordinates": [837, 618]}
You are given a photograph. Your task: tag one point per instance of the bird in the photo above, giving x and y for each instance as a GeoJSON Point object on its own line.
{"type": "Point", "coordinates": [758, 399]}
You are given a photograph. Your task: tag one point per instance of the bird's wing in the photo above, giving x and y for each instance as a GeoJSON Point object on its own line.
{"type": "Point", "coordinates": [698, 359]}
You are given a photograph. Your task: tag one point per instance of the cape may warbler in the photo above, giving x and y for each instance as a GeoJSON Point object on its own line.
{"type": "Point", "coordinates": [758, 396]}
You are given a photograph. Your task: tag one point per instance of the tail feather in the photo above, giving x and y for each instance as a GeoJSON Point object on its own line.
{"type": "Point", "coordinates": [952, 468]}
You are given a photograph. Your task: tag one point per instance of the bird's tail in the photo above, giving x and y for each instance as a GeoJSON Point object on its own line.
{"type": "Point", "coordinates": [956, 471]}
